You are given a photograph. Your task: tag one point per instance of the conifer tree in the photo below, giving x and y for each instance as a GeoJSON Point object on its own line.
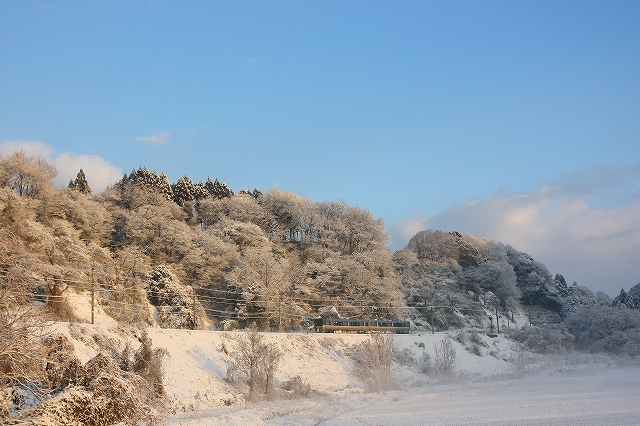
{"type": "Point", "coordinates": [81, 183]}
{"type": "Point", "coordinates": [183, 190]}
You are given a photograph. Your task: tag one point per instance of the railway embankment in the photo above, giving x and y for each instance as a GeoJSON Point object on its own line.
{"type": "Point", "coordinates": [199, 365]}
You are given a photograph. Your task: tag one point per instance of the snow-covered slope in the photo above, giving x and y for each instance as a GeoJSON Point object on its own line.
{"type": "Point", "coordinates": [487, 388]}
{"type": "Point", "coordinates": [197, 361]}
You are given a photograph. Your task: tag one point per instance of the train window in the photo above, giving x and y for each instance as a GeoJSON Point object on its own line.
{"type": "Point", "coordinates": [354, 324]}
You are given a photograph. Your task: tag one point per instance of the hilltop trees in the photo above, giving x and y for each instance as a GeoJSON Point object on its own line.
{"type": "Point", "coordinates": [27, 175]}
{"type": "Point", "coordinates": [80, 184]}
{"type": "Point", "coordinates": [534, 281]}
{"type": "Point", "coordinates": [629, 299]}
{"type": "Point", "coordinates": [272, 258]}
{"type": "Point", "coordinates": [441, 269]}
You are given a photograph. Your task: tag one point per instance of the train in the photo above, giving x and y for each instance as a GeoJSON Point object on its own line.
{"type": "Point", "coordinates": [330, 325]}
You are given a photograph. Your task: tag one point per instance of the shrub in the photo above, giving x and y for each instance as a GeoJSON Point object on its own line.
{"type": "Point", "coordinates": [103, 391]}
{"type": "Point", "coordinates": [405, 357]}
{"type": "Point", "coordinates": [445, 356]}
{"type": "Point", "coordinates": [425, 365]}
{"type": "Point", "coordinates": [544, 339]}
{"type": "Point", "coordinates": [605, 329]}
{"type": "Point", "coordinates": [256, 361]}
{"type": "Point", "coordinates": [148, 364]}
{"type": "Point", "coordinates": [297, 387]}
{"type": "Point", "coordinates": [373, 362]}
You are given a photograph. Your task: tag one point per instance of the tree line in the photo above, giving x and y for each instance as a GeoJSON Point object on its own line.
{"type": "Point", "coordinates": [263, 252]}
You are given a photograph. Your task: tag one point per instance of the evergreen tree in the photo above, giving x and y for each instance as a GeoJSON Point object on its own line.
{"type": "Point", "coordinates": [183, 190]}
{"type": "Point", "coordinates": [165, 186]}
{"type": "Point", "coordinates": [629, 300]}
{"type": "Point", "coordinates": [218, 190]}
{"type": "Point", "coordinates": [561, 285]}
{"type": "Point", "coordinates": [81, 183]}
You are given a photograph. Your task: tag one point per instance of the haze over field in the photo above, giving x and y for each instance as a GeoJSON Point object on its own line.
{"type": "Point", "coordinates": [517, 122]}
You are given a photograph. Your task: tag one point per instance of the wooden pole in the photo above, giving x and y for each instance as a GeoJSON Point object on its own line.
{"type": "Point", "coordinates": [195, 322]}
{"type": "Point", "coordinates": [93, 296]}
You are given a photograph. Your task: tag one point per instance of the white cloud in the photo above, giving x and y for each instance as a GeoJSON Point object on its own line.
{"type": "Point", "coordinates": [98, 171]}
{"type": "Point", "coordinates": [31, 148]}
{"type": "Point", "coordinates": [157, 138]}
{"type": "Point", "coordinates": [570, 229]}
{"type": "Point", "coordinates": [402, 232]}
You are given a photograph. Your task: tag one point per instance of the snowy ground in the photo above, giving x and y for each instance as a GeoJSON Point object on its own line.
{"type": "Point", "coordinates": [607, 397]}
{"type": "Point", "coordinates": [551, 391]}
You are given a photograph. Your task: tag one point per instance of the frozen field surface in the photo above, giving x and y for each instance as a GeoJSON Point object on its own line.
{"type": "Point", "coordinates": [609, 396]}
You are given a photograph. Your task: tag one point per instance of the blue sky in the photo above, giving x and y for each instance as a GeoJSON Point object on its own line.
{"type": "Point", "coordinates": [516, 121]}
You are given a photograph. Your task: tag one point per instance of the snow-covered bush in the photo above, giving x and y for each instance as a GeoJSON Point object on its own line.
{"type": "Point", "coordinates": [425, 365]}
{"type": "Point", "coordinates": [373, 361]}
{"type": "Point", "coordinates": [175, 302]}
{"type": "Point", "coordinates": [544, 339]}
{"type": "Point", "coordinates": [605, 329]}
{"type": "Point", "coordinates": [297, 387]}
{"type": "Point", "coordinates": [255, 361]}
{"type": "Point", "coordinates": [471, 341]}
{"type": "Point", "coordinates": [444, 357]}
{"type": "Point", "coordinates": [405, 357]}
{"type": "Point", "coordinates": [102, 392]}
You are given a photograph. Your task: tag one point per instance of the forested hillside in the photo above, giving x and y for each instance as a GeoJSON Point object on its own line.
{"type": "Point", "coordinates": [194, 255]}
{"type": "Point", "coordinates": [158, 253]}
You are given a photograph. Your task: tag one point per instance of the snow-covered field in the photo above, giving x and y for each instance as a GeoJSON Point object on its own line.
{"type": "Point", "coordinates": [607, 397]}
{"type": "Point", "coordinates": [502, 386]}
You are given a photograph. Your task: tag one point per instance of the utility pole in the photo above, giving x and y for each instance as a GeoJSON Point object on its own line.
{"type": "Point", "coordinates": [195, 322]}
{"type": "Point", "coordinates": [279, 313]}
{"type": "Point", "coordinates": [93, 296]}
{"type": "Point", "coordinates": [431, 321]}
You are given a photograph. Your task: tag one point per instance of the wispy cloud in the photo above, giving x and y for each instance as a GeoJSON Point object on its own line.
{"type": "Point", "coordinates": [31, 148]}
{"type": "Point", "coordinates": [579, 228]}
{"type": "Point", "coordinates": [157, 138]}
{"type": "Point", "coordinates": [99, 172]}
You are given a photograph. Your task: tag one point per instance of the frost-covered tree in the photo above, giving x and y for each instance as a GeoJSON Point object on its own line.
{"type": "Point", "coordinates": [183, 190]}
{"type": "Point", "coordinates": [435, 246]}
{"type": "Point", "coordinates": [374, 361]}
{"type": "Point", "coordinates": [561, 285]}
{"type": "Point", "coordinates": [177, 305]}
{"type": "Point", "coordinates": [27, 175]}
{"type": "Point", "coordinates": [212, 212]}
{"type": "Point", "coordinates": [257, 360]}
{"type": "Point", "coordinates": [534, 281]}
{"type": "Point", "coordinates": [605, 329]}
{"type": "Point", "coordinates": [260, 278]}
{"type": "Point", "coordinates": [217, 190]}
{"type": "Point", "coordinates": [629, 299]}
{"type": "Point", "coordinates": [80, 184]}
{"type": "Point", "coordinates": [87, 215]}
{"type": "Point", "coordinates": [22, 325]}
{"type": "Point", "coordinates": [579, 297]}
{"type": "Point", "coordinates": [496, 277]}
